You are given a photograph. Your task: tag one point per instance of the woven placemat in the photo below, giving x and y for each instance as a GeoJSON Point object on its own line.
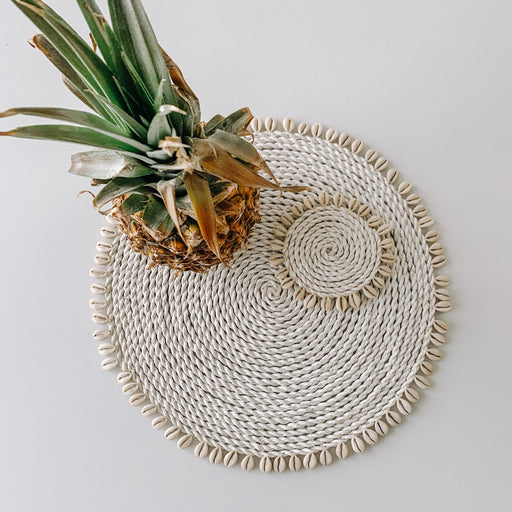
{"type": "Point", "coordinates": [320, 337]}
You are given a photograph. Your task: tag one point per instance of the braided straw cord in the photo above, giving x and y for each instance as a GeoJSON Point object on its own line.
{"type": "Point", "coordinates": [318, 339]}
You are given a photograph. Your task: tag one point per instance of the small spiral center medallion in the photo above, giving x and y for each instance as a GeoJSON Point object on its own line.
{"type": "Point", "coordinates": [333, 252]}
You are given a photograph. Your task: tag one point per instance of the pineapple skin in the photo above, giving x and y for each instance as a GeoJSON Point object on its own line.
{"type": "Point", "coordinates": [239, 213]}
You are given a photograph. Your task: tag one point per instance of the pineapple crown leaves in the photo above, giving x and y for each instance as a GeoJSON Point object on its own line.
{"type": "Point", "coordinates": [156, 153]}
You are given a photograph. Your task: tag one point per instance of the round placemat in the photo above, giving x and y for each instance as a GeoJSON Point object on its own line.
{"type": "Point", "coordinates": [318, 339]}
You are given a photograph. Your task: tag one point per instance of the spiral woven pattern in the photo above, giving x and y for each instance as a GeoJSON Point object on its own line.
{"type": "Point", "coordinates": [332, 251]}
{"type": "Point", "coordinates": [335, 252]}
{"type": "Point", "coordinates": [248, 364]}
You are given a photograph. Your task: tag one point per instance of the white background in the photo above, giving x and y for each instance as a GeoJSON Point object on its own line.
{"type": "Point", "coordinates": [426, 83]}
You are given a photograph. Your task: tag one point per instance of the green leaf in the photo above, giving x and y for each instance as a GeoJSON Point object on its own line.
{"type": "Point", "coordinates": [217, 188]}
{"type": "Point", "coordinates": [139, 42]}
{"type": "Point", "coordinates": [100, 30]}
{"type": "Point", "coordinates": [236, 146]}
{"type": "Point", "coordinates": [117, 187]}
{"type": "Point", "coordinates": [217, 161]}
{"type": "Point", "coordinates": [236, 122]}
{"type": "Point", "coordinates": [184, 202]}
{"type": "Point", "coordinates": [177, 77]}
{"type": "Point", "coordinates": [78, 135]}
{"type": "Point", "coordinates": [155, 213]}
{"type": "Point", "coordinates": [202, 203]}
{"type": "Point", "coordinates": [167, 189]}
{"type": "Point", "coordinates": [138, 80]}
{"type": "Point", "coordinates": [158, 101]}
{"type": "Point", "coordinates": [241, 149]}
{"type": "Point", "coordinates": [184, 91]}
{"type": "Point", "coordinates": [160, 128]}
{"type": "Point", "coordinates": [167, 227]}
{"type": "Point", "coordinates": [105, 164]}
{"type": "Point", "coordinates": [212, 123]}
{"type": "Point", "coordinates": [80, 95]}
{"type": "Point", "coordinates": [138, 156]}
{"type": "Point", "coordinates": [111, 50]}
{"type": "Point", "coordinates": [138, 108]}
{"type": "Point", "coordinates": [68, 115]}
{"type": "Point", "coordinates": [71, 78]}
{"type": "Point", "coordinates": [134, 203]}
{"type": "Point", "coordinates": [159, 155]}
{"type": "Point", "coordinates": [77, 52]}
{"type": "Point", "coordinates": [133, 41]}
{"type": "Point", "coordinates": [132, 124]}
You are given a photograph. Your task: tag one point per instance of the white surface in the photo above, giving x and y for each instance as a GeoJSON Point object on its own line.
{"type": "Point", "coordinates": [426, 84]}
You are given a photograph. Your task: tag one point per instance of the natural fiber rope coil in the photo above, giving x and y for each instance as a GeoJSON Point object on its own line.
{"type": "Point", "coordinates": [333, 251]}
{"type": "Point", "coordinates": [320, 337]}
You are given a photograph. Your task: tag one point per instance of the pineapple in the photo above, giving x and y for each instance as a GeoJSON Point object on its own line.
{"type": "Point", "coordinates": [185, 192]}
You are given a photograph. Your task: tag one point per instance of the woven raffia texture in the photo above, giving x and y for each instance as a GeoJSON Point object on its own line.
{"type": "Point", "coordinates": [319, 338]}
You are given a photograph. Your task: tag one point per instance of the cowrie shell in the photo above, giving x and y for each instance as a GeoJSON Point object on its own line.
{"type": "Point", "coordinates": [288, 124]}
{"type": "Point", "coordinates": [413, 199]}
{"type": "Point", "coordinates": [173, 432]}
{"type": "Point", "coordinates": [404, 188]}
{"type": "Point", "coordinates": [303, 128]}
{"type": "Point", "coordinates": [412, 395]}
{"type": "Point", "coordinates": [324, 198]}
{"type": "Point", "coordinates": [124, 377]}
{"type": "Point", "coordinates": [266, 464]}
{"type": "Point", "coordinates": [294, 464]}
{"type": "Point", "coordinates": [354, 300]}
{"type": "Point", "coordinates": [381, 164]}
{"type": "Point", "coordinates": [248, 463]}
{"type": "Point", "coordinates": [392, 176]}
{"type": "Point", "coordinates": [342, 451]}
{"type": "Point", "coordinates": [427, 368]}
{"type": "Point", "coordinates": [256, 124]}
{"type": "Point", "coordinates": [185, 441]}
{"type": "Point", "coordinates": [216, 456]}
{"type": "Point", "coordinates": [357, 444]}
{"type": "Point", "coordinates": [316, 130]}
{"type": "Point", "coordinates": [432, 236]}
{"type": "Point", "coordinates": [325, 457]}
{"type": "Point", "coordinates": [403, 406]}
{"type": "Point", "coordinates": [201, 450]}
{"type": "Point", "coordinates": [309, 461]}
{"type": "Point", "coordinates": [437, 339]}
{"type": "Point", "coordinates": [270, 124]}
{"type": "Point", "coordinates": [440, 326]}
{"type": "Point", "coordinates": [371, 155]}
{"type": "Point", "coordinates": [442, 281]}
{"type": "Point", "coordinates": [393, 418]}
{"type": "Point", "coordinates": [331, 135]}
{"type": "Point", "coordinates": [426, 222]}
{"type": "Point", "coordinates": [109, 363]}
{"type": "Point", "coordinates": [279, 464]}
{"type": "Point", "coordinates": [341, 304]}
{"type": "Point", "coordinates": [381, 428]}
{"type": "Point", "coordinates": [137, 399]}
{"type": "Point", "coordinates": [421, 381]}
{"type": "Point", "coordinates": [344, 139]}
{"type": "Point", "coordinates": [370, 291]}
{"type": "Point", "coordinates": [357, 146]}
{"type": "Point", "coordinates": [370, 436]}
{"type": "Point", "coordinates": [231, 459]}
{"type": "Point", "coordinates": [339, 199]}
{"type": "Point", "coordinates": [148, 410]}
{"type": "Point", "coordinates": [159, 422]}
